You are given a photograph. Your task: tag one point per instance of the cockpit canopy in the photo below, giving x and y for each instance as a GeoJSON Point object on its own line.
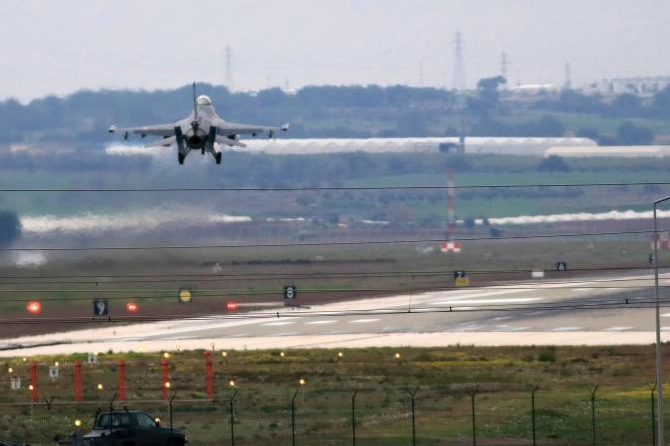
{"type": "Point", "coordinates": [203, 100]}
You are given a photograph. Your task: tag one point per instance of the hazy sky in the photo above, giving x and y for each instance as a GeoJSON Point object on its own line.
{"type": "Point", "coordinates": [59, 47]}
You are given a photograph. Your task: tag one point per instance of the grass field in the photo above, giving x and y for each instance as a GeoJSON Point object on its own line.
{"type": "Point", "coordinates": [329, 262]}
{"type": "Point", "coordinates": [444, 382]}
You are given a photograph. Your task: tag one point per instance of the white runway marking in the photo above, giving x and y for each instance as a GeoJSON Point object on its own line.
{"type": "Point", "coordinates": [330, 321]}
{"type": "Point", "coordinates": [511, 300]}
{"type": "Point", "coordinates": [566, 329]}
{"type": "Point", "coordinates": [276, 324]}
{"type": "Point", "coordinates": [509, 328]}
{"type": "Point", "coordinates": [364, 321]}
{"type": "Point", "coordinates": [475, 295]}
{"type": "Point", "coordinates": [619, 328]}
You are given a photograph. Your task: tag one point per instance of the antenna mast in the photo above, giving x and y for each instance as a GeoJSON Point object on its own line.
{"type": "Point", "coordinates": [459, 66]}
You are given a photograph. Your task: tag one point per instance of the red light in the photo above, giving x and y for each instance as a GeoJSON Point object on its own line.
{"type": "Point", "coordinates": [34, 307]}
{"type": "Point", "coordinates": [231, 306]}
{"type": "Point", "coordinates": [132, 307]}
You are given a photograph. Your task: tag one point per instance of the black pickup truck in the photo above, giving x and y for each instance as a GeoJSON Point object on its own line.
{"type": "Point", "coordinates": [129, 428]}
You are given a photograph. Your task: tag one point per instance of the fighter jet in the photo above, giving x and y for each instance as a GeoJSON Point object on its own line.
{"type": "Point", "coordinates": [199, 131]}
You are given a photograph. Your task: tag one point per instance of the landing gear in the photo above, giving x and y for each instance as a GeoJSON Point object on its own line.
{"type": "Point", "coordinates": [217, 156]}
{"type": "Point", "coordinates": [180, 158]}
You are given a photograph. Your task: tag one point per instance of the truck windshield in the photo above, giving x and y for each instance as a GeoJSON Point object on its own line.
{"type": "Point", "coordinates": [117, 419]}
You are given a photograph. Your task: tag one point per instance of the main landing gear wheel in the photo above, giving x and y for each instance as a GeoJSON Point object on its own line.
{"type": "Point", "coordinates": [218, 157]}
{"type": "Point", "coordinates": [180, 157]}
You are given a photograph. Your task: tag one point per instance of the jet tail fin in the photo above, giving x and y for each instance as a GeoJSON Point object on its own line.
{"type": "Point", "coordinates": [195, 104]}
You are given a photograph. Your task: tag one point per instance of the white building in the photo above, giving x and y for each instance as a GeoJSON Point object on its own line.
{"type": "Point", "coordinates": [640, 86]}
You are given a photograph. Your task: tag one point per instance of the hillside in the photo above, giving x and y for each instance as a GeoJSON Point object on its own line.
{"type": "Point", "coordinates": [81, 119]}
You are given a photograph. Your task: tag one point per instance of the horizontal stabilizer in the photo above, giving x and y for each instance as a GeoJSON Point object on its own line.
{"type": "Point", "coordinates": [163, 142]}
{"type": "Point", "coordinates": [228, 141]}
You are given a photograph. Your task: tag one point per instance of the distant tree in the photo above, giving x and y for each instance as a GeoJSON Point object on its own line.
{"type": "Point", "coordinates": [488, 100]}
{"type": "Point", "coordinates": [630, 134]}
{"type": "Point", "coordinates": [488, 84]}
{"type": "Point", "coordinates": [553, 163]}
{"type": "Point", "coordinates": [588, 132]}
{"type": "Point", "coordinates": [547, 125]}
{"type": "Point", "coordinates": [10, 227]}
{"type": "Point", "coordinates": [272, 97]}
{"type": "Point", "coordinates": [661, 103]}
{"type": "Point", "coordinates": [571, 101]}
{"type": "Point", "coordinates": [607, 140]}
{"type": "Point", "coordinates": [626, 105]}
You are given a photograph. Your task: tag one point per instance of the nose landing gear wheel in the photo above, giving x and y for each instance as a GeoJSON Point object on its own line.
{"type": "Point", "coordinates": [180, 158]}
{"type": "Point", "coordinates": [218, 157]}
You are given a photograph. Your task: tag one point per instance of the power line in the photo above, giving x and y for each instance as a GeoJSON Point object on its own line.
{"type": "Point", "coordinates": [330, 188]}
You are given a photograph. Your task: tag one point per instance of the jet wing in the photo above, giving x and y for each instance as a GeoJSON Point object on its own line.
{"type": "Point", "coordinates": [230, 128]}
{"type": "Point", "coordinates": [154, 130]}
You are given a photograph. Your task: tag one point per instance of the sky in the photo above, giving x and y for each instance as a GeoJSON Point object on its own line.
{"type": "Point", "coordinates": [61, 47]}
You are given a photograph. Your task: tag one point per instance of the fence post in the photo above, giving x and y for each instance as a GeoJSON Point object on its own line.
{"type": "Point", "coordinates": [353, 417]}
{"type": "Point", "coordinates": [232, 418]}
{"type": "Point", "coordinates": [413, 394]}
{"type": "Point", "coordinates": [532, 412]}
{"type": "Point", "coordinates": [174, 394]}
{"type": "Point", "coordinates": [293, 416]}
{"type": "Point", "coordinates": [593, 414]}
{"type": "Point", "coordinates": [474, 424]}
{"type": "Point", "coordinates": [652, 387]}
{"type": "Point", "coordinates": [49, 402]}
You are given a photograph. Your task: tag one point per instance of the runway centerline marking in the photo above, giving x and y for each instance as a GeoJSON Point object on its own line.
{"type": "Point", "coordinates": [330, 321]}
{"type": "Point", "coordinates": [364, 321]}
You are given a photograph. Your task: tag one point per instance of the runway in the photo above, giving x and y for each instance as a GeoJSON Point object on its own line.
{"type": "Point", "coordinates": [597, 311]}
